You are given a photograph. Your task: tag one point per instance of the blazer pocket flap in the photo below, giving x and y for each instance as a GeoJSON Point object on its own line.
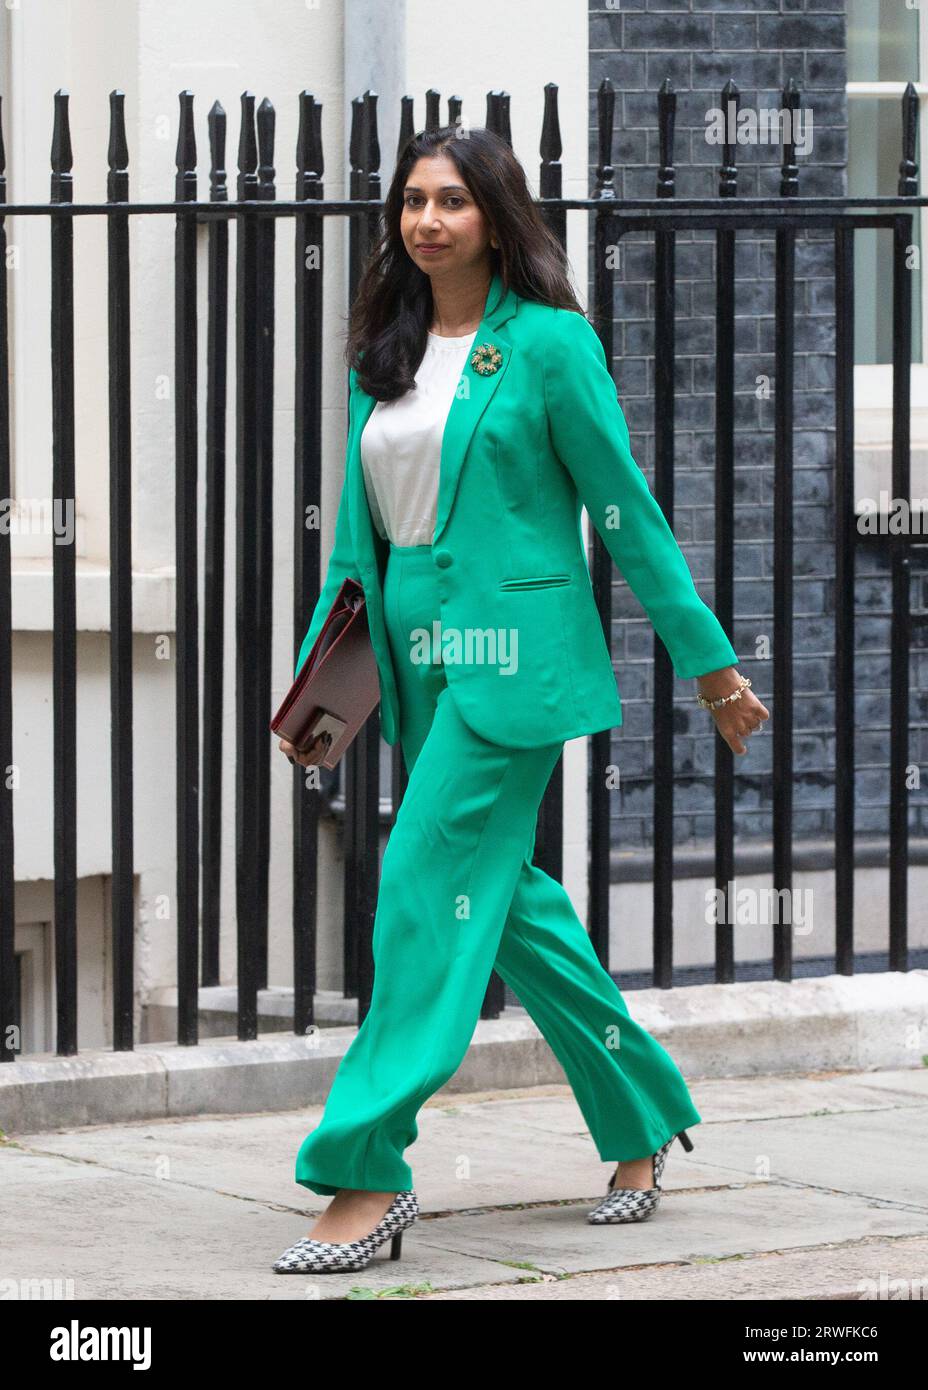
{"type": "Point", "coordinates": [535, 581]}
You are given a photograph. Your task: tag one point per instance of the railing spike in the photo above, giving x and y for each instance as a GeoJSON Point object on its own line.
{"type": "Point", "coordinates": [216, 126]}
{"type": "Point", "coordinates": [407, 127]}
{"type": "Point", "coordinates": [908, 169]}
{"type": "Point", "coordinates": [354, 141]}
{"type": "Point", "coordinates": [550, 184]}
{"type": "Point", "coordinates": [266, 122]}
{"type": "Point", "coordinates": [247, 148]}
{"type": "Point", "coordinates": [309, 165]}
{"type": "Point", "coordinates": [370, 146]}
{"type": "Point", "coordinates": [789, 172]}
{"type": "Point", "coordinates": [551, 147]}
{"type": "Point", "coordinates": [117, 151]}
{"type": "Point", "coordinates": [185, 159]}
{"type": "Point", "coordinates": [605, 173]}
{"type": "Point", "coordinates": [666, 120]}
{"type": "Point", "coordinates": [62, 186]}
{"type": "Point", "coordinates": [504, 128]}
{"type": "Point", "coordinates": [728, 173]}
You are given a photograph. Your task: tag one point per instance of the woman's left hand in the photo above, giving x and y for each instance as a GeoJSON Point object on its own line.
{"type": "Point", "coordinates": [737, 719]}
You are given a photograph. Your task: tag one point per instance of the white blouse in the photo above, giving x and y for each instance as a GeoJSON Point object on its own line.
{"type": "Point", "coordinates": [401, 445]}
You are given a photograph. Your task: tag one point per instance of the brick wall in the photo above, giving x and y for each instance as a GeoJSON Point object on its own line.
{"type": "Point", "coordinates": [700, 44]}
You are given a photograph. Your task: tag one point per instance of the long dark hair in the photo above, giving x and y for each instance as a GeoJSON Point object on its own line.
{"type": "Point", "coordinates": [392, 310]}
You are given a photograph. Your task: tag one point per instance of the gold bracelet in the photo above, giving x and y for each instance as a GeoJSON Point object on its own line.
{"type": "Point", "coordinates": [724, 699]}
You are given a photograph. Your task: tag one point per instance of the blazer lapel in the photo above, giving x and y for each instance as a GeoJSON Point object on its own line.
{"type": "Point", "coordinates": [474, 393]}
{"type": "Point", "coordinates": [468, 404]}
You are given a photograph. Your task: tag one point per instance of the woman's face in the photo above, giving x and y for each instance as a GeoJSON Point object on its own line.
{"type": "Point", "coordinates": [440, 212]}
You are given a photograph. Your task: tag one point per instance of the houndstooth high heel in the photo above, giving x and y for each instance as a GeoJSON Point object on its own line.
{"type": "Point", "coordinates": [622, 1204]}
{"type": "Point", "coordinates": [310, 1256]}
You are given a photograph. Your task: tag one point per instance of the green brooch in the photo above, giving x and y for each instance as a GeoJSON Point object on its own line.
{"type": "Point", "coordinates": [486, 359]}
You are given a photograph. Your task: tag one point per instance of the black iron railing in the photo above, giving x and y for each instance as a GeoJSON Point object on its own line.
{"type": "Point", "coordinates": [199, 765]}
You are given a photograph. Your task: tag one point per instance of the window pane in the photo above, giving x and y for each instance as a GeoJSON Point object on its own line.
{"type": "Point", "coordinates": [882, 46]}
{"type": "Point", "coordinates": [882, 41]}
{"type": "Point", "coordinates": [874, 142]}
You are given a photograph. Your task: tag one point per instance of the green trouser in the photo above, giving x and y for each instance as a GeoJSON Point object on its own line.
{"type": "Point", "coordinates": [459, 896]}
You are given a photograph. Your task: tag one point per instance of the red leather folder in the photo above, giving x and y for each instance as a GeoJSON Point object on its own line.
{"type": "Point", "coordinates": [338, 686]}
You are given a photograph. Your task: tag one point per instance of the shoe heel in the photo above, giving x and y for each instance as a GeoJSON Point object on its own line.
{"type": "Point", "coordinates": [685, 1140]}
{"type": "Point", "coordinates": [396, 1246]}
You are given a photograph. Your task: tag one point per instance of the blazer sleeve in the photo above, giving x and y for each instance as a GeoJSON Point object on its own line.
{"type": "Point", "coordinates": [341, 565]}
{"type": "Point", "coordinates": [591, 438]}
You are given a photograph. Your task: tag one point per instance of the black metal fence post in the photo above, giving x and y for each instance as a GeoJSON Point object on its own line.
{"type": "Point", "coordinates": [264, 518]}
{"type": "Point", "coordinates": [724, 541]}
{"type": "Point", "coordinates": [187, 594]}
{"type": "Point", "coordinates": [64, 582]}
{"type": "Point", "coordinates": [10, 1043]}
{"type": "Point", "coordinates": [665, 366]}
{"type": "Point", "coordinates": [549, 842]}
{"type": "Point", "coordinates": [120, 441]}
{"type": "Point", "coordinates": [845, 564]}
{"type": "Point", "coordinates": [214, 587]}
{"type": "Point", "coordinates": [309, 262]}
{"type": "Point", "coordinates": [362, 772]}
{"type": "Point", "coordinates": [251, 716]}
{"type": "Point", "coordinates": [782, 713]}
{"type": "Point", "coordinates": [606, 234]}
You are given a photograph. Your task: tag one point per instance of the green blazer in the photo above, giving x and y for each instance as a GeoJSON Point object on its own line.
{"type": "Point", "coordinates": [525, 448]}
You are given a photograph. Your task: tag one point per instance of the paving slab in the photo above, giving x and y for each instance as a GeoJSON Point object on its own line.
{"type": "Point", "coordinates": [98, 1233]}
{"type": "Point", "coordinates": [859, 1272]}
{"type": "Point", "coordinates": [689, 1226]}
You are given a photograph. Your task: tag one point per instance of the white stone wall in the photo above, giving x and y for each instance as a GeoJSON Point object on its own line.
{"type": "Point", "coordinates": [152, 50]}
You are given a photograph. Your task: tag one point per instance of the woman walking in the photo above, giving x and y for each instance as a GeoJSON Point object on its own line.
{"type": "Point", "coordinates": [483, 418]}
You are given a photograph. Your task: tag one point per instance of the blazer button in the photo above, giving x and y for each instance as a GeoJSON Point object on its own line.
{"type": "Point", "coordinates": [443, 558]}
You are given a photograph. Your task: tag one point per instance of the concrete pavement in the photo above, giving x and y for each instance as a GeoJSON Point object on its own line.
{"type": "Point", "coordinates": [807, 1186]}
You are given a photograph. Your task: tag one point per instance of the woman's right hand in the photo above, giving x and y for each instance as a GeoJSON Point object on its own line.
{"type": "Point", "coordinates": [313, 755]}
